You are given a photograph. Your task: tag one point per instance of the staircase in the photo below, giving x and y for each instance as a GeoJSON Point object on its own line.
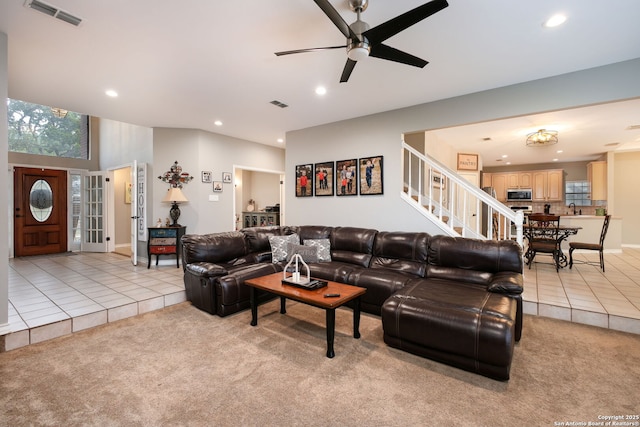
{"type": "Point", "coordinates": [454, 205]}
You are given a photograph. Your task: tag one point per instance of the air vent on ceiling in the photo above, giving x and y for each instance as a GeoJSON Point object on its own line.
{"type": "Point", "coordinates": [633, 127]}
{"type": "Point", "coordinates": [53, 11]}
{"type": "Point", "coordinates": [279, 104]}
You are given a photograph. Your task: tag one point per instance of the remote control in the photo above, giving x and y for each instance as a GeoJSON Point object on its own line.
{"type": "Point", "coordinates": [331, 295]}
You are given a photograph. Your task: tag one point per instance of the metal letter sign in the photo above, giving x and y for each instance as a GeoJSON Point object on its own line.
{"type": "Point", "coordinates": [142, 201]}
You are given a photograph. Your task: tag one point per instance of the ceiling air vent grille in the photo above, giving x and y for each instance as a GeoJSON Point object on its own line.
{"type": "Point", "coordinates": [279, 104]}
{"type": "Point", "coordinates": [53, 11]}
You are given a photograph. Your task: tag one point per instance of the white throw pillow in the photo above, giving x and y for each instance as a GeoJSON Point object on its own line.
{"type": "Point", "coordinates": [279, 246]}
{"type": "Point", "coordinates": [324, 248]}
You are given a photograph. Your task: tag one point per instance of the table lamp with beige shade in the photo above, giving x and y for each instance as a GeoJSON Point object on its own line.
{"type": "Point", "coordinates": [174, 195]}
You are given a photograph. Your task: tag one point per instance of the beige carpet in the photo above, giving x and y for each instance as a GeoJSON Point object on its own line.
{"type": "Point", "coordinates": [181, 366]}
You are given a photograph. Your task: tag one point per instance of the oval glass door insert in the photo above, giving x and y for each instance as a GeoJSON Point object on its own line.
{"type": "Point", "coordinates": [41, 200]}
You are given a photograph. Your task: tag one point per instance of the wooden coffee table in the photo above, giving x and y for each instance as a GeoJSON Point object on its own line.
{"type": "Point", "coordinates": [273, 283]}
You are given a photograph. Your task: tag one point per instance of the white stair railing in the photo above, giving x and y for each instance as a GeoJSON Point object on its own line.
{"type": "Point", "coordinates": [456, 206]}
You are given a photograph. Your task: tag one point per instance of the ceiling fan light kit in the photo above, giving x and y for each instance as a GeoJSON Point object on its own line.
{"type": "Point", "coordinates": [363, 41]}
{"type": "Point", "coordinates": [542, 138]}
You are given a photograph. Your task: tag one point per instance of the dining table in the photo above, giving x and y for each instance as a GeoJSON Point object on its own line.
{"type": "Point", "coordinates": [541, 232]}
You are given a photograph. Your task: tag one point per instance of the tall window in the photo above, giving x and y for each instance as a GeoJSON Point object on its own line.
{"type": "Point", "coordinates": [38, 129]}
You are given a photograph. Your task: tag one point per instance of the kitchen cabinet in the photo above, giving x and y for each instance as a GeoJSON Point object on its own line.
{"type": "Point", "coordinates": [499, 184]}
{"type": "Point", "coordinates": [547, 185]}
{"type": "Point", "coordinates": [519, 180]}
{"type": "Point", "coordinates": [165, 241]}
{"type": "Point", "coordinates": [502, 181]}
{"type": "Point", "coordinates": [597, 176]}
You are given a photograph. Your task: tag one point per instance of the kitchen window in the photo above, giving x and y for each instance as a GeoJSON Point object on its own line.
{"type": "Point", "coordinates": [578, 192]}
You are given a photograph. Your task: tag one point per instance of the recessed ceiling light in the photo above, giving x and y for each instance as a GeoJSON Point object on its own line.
{"type": "Point", "coordinates": [321, 90]}
{"type": "Point", "coordinates": [112, 93]}
{"type": "Point", "coordinates": [508, 163]}
{"type": "Point", "coordinates": [280, 140]}
{"type": "Point", "coordinates": [555, 160]}
{"type": "Point", "coordinates": [559, 151]}
{"type": "Point", "coordinates": [217, 123]}
{"type": "Point", "coordinates": [555, 20]}
{"type": "Point", "coordinates": [504, 156]}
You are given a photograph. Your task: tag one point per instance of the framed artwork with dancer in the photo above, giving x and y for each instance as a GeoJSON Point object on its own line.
{"type": "Point", "coordinates": [324, 178]}
{"type": "Point", "coordinates": [347, 177]}
{"type": "Point", "coordinates": [304, 180]}
{"type": "Point", "coordinates": [371, 174]}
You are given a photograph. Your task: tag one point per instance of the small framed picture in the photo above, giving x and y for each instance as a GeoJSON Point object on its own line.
{"type": "Point", "coordinates": [304, 180]}
{"type": "Point", "coordinates": [217, 186]}
{"type": "Point", "coordinates": [371, 175]}
{"type": "Point", "coordinates": [226, 177]}
{"type": "Point", "coordinates": [439, 181]}
{"type": "Point", "coordinates": [467, 162]}
{"type": "Point", "coordinates": [324, 178]}
{"type": "Point", "coordinates": [207, 176]}
{"type": "Point", "coordinates": [347, 177]}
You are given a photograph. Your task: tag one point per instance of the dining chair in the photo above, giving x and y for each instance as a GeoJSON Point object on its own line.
{"type": "Point", "coordinates": [591, 246]}
{"type": "Point", "coordinates": [543, 236]}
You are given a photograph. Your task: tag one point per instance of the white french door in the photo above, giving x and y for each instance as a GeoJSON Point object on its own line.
{"type": "Point", "coordinates": [95, 206]}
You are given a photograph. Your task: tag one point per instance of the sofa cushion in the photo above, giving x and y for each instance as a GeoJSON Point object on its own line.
{"type": "Point", "coordinates": [279, 246]}
{"type": "Point", "coordinates": [257, 238]}
{"type": "Point", "coordinates": [314, 232]}
{"type": "Point", "coordinates": [401, 251]}
{"type": "Point", "coordinates": [352, 245]}
{"type": "Point", "coordinates": [323, 248]}
{"type": "Point", "coordinates": [489, 256]}
{"type": "Point", "coordinates": [213, 248]}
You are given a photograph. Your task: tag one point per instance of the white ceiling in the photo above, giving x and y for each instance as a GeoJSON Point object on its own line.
{"type": "Point", "coordinates": [188, 63]}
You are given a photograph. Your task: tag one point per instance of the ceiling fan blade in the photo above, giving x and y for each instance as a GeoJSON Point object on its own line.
{"type": "Point", "coordinates": [337, 20]}
{"type": "Point", "coordinates": [348, 68]}
{"type": "Point", "coordinates": [389, 53]}
{"type": "Point", "coordinates": [393, 26]}
{"type": "Point", "coordinates": [313, 49]}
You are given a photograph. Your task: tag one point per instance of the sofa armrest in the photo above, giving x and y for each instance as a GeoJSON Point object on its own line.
{"type": "Point", "coordinates": [260, 257]}
{"type": "Point", "coordinates": [206, 269]}
{"type": "Point", "coordinates": [506, 282]}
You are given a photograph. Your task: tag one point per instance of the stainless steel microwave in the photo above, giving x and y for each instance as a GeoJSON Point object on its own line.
{"type": "Point", "coordinates": [519, 194]}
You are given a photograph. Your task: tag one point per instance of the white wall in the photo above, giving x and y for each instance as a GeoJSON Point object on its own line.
{"type": "Point", "coordinates": [380, 134]}
{"type": "Point", "coordinates": [196, 151]}
{"type": "Point", "coordinates": [626, 197]}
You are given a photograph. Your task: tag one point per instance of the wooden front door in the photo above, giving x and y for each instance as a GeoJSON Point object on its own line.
{"type": "Point", "coordinates": [40, 211]}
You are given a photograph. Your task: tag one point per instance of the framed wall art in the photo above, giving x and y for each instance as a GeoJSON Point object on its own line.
{"type": "Point", "coordinates": [467, 162]}
{"type": "Point", "coordinates": [324, 173]}
{"type": "Point", "coordinates": [207, 176]}
{"type": "Point", "coordinates": [217, 186]}
{"type": "Point", "coordinates": [371, 173]}
{"type": "Point", "coordinates": [226, 177]}
{"type": "Point", "coordinates": [304, 180]}
{"type": "Point", "coordinates": [347, 177]}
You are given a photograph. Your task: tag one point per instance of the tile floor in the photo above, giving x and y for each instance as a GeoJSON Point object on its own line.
{"type": "Point", "coordinates": [58, 295]}
{"type": "Point", "coordinates": [584, 294]}
{"type": "Point", "coordinates": [51, 296]}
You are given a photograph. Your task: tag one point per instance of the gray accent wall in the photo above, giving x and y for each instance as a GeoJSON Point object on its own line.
{"type": "Point", "coordinates": [381, 134]}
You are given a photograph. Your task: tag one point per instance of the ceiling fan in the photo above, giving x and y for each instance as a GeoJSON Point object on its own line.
{"type": "Point", "coordinates": [363, 41]}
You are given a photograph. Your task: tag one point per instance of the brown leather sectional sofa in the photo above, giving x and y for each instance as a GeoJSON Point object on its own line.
{"type": "Point", "coordinates": [454, 300]}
